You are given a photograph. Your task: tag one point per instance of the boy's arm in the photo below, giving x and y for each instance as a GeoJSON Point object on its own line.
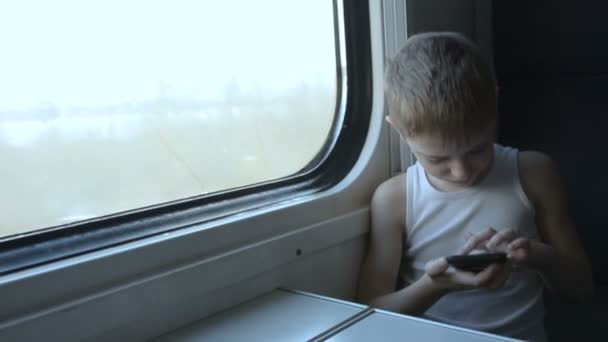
{"type": "Point", "coordinates": [561, 259]}
{"type": "Point", "coordinates": [381, 266]}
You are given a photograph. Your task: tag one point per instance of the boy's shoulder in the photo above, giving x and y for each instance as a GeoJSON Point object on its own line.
{"type": "Point", "coordinates": [534, 161]}
{"type": "Point", "coordinates": [538, 174]}
{"type": "Point", "coordinates": [390, 197]}
{"type": "Point", "coordinates": [392, 188]}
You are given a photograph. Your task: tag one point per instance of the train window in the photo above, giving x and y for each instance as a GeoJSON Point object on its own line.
{"type": "Point", "coordinates": [108, 106]}
{"type": "Point", "coordinates": [132, 119]}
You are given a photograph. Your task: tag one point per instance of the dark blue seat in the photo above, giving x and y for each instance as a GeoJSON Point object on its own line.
{"type": "Point", "coordinates": [551, 59]}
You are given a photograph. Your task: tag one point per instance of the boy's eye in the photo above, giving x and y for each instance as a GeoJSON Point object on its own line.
{"type": "Point", "coordinates": [435, 160]}
{"type": "Point", "coordinates": [478, 150]}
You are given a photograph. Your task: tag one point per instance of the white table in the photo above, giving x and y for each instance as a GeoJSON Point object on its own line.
{"type": "Point", "coordinates": [388, 326]}
{"type": "Point", "coordinates": [284, 315]}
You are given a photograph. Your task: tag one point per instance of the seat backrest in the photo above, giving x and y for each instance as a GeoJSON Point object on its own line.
{"type": "Point", "coordinates": [551, 59]}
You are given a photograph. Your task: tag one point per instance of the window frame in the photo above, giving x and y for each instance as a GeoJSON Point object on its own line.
{"type": "Point", "coordinates": [339, 155]}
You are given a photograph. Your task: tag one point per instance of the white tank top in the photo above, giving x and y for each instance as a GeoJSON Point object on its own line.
{"type": "Point", "coordinates": [437, 224]}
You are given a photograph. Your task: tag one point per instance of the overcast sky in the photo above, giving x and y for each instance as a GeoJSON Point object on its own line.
{"type": "Point", "coordinates": [84, 52]}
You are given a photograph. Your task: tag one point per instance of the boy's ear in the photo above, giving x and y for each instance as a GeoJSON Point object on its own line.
{"type": "Point", "coordinates": [394, 126]}
{"type": "Point", "coordinates": [390, 122]}
{"type": "Point", "coordinates": [388, 119]}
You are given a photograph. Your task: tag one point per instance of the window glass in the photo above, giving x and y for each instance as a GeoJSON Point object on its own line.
{"type": "Point", "coordinates": [113, 105]}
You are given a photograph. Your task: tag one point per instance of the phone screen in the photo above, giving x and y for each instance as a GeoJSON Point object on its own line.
{"type": "Point", "coordinates": [476, 262]}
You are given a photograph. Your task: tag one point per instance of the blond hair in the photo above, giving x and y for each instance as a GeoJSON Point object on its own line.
{"type": "Point", "coordinates": [440, 83]}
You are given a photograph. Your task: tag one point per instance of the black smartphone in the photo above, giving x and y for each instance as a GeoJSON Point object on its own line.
{"type": "Point", "coordinates": [476, 262]}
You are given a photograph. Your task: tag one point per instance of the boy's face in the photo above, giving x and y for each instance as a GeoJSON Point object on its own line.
{"type": "Point", "coordinates": [451, 167]}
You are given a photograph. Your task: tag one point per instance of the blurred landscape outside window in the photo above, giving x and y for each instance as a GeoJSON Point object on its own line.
{"type": "Point", "coordinates": [108, 106]}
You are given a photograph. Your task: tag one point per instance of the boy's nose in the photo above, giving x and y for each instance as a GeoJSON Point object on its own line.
{"type": "Point", "coordinates": [461, 170]}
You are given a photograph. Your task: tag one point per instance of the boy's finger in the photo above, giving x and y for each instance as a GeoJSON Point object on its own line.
{"type": "Point", "coordinates": [503, 275]}
{"type": "Point", "coordinates": [504, 236]}
{"type": "Point", "coordinates": [518, 255]}
{"type": "Point", "coordinates": [475, 240]}
{"type": "Point", "coordinates": [465, 278]}
{"type": "Point", "coordinates": [518, 243]}
{"type": "Point", "coordinates": [485, 277]}
{"type": "Point", "coordinates": [436, 267]}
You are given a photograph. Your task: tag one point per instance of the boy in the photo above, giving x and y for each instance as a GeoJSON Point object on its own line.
{"type": "Point", "coordinates": [466, 193]}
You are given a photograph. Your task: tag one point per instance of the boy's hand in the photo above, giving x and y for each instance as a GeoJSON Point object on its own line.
{"type": "Point", "coordinates": [517, 248]}
{"type": "Point", "coordinates": [446, 277]}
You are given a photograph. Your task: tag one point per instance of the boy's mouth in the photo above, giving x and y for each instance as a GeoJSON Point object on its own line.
{"type": "Point", "coordinates": [467, 182]}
